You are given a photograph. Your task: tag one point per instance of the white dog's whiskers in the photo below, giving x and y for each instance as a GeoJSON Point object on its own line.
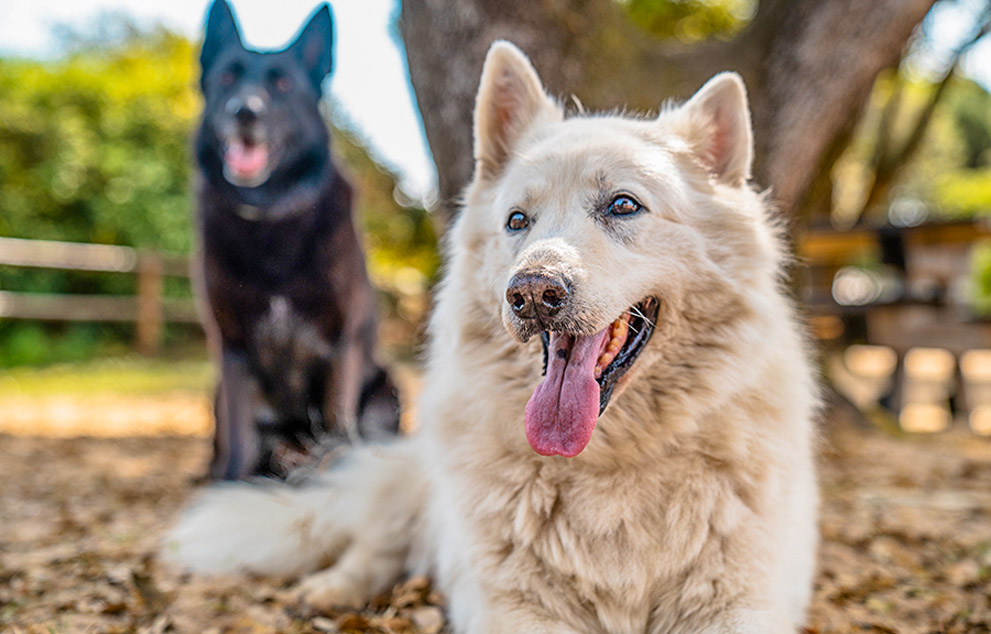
{"type": "Point", "coordinates": [630, 325]}
{"type": "Point", "coordinates": [642, 316]}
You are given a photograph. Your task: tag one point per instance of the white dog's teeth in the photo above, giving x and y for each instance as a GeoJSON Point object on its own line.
{"type": "Point", "coordinates": [617, 337]}
{"type": "Point", "coordinates": [619, 328]}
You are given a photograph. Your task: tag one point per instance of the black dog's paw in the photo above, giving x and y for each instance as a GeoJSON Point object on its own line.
{"type": "Point", "coordinates": [379, 407]}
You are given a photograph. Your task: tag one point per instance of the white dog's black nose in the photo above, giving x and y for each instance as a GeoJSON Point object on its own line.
{"type": "Point", "coordinates": [537, 295]}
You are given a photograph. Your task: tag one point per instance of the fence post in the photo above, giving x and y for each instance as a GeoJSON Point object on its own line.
{"type": "Point", "coordinates": [150, 308]}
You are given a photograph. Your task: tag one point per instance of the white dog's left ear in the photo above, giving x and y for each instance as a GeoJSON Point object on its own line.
{"type": "Point", "coordinates": [510, 101]}
{"type": "Point", "coordinates": [718, 121]}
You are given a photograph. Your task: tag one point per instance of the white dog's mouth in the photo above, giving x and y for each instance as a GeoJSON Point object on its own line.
{"type": "Point", "coordinates": [580, 374]}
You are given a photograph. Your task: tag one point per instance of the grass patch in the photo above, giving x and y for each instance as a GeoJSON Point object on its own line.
{"type": "Point", "coordinates": [119, 375]}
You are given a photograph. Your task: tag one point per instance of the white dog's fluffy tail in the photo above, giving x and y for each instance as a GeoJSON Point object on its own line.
{"type": "Point", "coordinates": [273, 529]}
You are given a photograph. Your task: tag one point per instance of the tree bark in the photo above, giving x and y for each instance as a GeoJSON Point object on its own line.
{"type": "Point", "coordinates": [809, 66]}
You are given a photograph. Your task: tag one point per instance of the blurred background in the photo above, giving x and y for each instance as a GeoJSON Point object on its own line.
{"type": "Point", "coordinates": [890, 216]}
{"type": "Point", "coordinates": [98, 102]}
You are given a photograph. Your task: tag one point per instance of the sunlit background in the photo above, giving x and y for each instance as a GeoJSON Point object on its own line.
{"type": "Point", "coordinates": [98, 102]}
{"type": "Point", "coordinates": [370, 83]}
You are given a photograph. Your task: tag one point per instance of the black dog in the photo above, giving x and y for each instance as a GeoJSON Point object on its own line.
{"type": "Point", "coordinates": [291, 310]}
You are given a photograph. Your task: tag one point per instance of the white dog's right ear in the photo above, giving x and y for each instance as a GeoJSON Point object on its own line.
{"type": "Point", "coordinates": [510, 100]}
{"type": "Point", "coordinates": [717, 119]}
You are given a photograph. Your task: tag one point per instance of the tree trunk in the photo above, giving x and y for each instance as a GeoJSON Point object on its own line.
{"type": "Point", "coordinates": [809, 66]}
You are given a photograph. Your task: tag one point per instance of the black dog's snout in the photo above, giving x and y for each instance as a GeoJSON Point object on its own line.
{"type": "Point", "coordinates": [246, 110]}
{"type": "Point", "coordinates": [537, 295]}
{"type": "Point", "coordinates": [244, 114]}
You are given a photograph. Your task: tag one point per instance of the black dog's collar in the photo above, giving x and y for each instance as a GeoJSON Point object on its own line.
{"type": "Point", "coordinates": [249, 212]}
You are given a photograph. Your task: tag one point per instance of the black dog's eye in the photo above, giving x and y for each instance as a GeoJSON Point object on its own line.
{"type": "Point", "coordinates": [231, 73]}
{"type": "Point", "coordinates": [623, 205]}
{"type": "Point", "coordinates": [279, 80]}
{"type": "Point", "coordinates": [517, 221]}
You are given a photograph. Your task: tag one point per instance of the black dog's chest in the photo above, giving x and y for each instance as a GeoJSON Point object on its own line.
{"type": "Point", "coordinates": [239, 302]}
{"type": "Point", "coordinates": [246, 273]}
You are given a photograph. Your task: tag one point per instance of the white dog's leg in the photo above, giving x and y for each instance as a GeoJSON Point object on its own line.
{"type": "Point", "coordinates": [388, 491]}
{"type": "Point", "coordinates": [363, 514]}
{"type": "Point", "coordinates": [368, 566]}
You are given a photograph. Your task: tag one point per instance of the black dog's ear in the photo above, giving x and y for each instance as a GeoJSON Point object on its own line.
{"type": "Point", "coordinates": [221, 32]}
{"type": "Point", "coordinates": [314, 44]}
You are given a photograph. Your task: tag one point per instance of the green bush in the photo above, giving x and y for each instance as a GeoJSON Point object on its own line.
{"type": "Point", "coordinates": [965, 193]}
{"type": "Point", "coordinates": [980, 279]}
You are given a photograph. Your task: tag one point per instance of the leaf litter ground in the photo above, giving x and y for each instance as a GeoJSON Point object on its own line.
{"type": "Point", "coordinates": [906, 524]}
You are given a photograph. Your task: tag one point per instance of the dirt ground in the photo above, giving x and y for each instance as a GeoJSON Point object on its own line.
{"type": "Point", "coordinates": [906, 526]}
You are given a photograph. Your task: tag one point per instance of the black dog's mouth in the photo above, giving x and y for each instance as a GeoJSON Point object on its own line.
{"type": "Point", "coordinates": [627, 338]}
{"type": "Point", "coordinates": [247, 163]}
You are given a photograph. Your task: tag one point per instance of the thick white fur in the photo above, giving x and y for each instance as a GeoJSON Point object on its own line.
{"type": "Point", "coordinates": [693, 507]}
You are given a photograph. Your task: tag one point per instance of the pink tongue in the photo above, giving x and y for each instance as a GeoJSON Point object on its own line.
{"type": "Point", "coordinates": [246, 160]}
{"type": "Point", "coordinates": [561, 414]}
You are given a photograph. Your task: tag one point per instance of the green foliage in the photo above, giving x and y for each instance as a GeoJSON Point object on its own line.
{"type": "Point", "coordinates": [971, 107]}
{"type": "Point", "coordinates": [953, 170]}
{"type": "Point", "coordinates": [980, 279]}
{"type": "Point", "coordinates": [95, 147]}
{"type": "Point", "coordinates": [950, 169]}
{"type": "Point", "coordinates": [400, 241]}
{"type": "Point", "coordinates": [31, 343]}
{"type": "Point", "coordinates": [690, 20]}
{"type": "Point", "coordinates": [964, 193]}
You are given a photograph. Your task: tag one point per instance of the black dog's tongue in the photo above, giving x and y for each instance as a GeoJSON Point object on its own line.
{"type": "Point", "coordinates": [560, 416]}
{"type": "Point", "coordinates": [246, 161]}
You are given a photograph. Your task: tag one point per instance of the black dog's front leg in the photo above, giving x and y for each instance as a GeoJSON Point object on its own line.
{"type": "Point", "coordinates": [236, 441]}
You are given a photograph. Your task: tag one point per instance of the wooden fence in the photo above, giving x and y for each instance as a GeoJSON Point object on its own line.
{"type": "Point", "coordinates": [148, 309]}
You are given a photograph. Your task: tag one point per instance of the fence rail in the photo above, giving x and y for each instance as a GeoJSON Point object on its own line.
{"type": "Point", "coordinates": [80, 256]}
{"type": "Point", "coordinates": [52, 307]}
{"type": "Point", "coordinates": [149, 310]}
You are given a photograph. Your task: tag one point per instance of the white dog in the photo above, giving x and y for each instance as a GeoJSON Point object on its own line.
{"type": "Point", "coordinates": [659, 476]}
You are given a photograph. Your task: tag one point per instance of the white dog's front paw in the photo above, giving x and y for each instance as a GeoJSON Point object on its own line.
{"type": "Point", "coordinates": [359, 574]}
{"type": "Point", "coordinates": [332, 588]}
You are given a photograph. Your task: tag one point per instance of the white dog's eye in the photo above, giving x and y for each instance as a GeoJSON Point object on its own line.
{"type": "Point", "coordinates": [517, 221]}
{"type": "Point", "coordinates": [623, 205]}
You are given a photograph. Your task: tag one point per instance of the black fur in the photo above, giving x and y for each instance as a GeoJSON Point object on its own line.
{"type": "Point", "coordinates": [292, 316]}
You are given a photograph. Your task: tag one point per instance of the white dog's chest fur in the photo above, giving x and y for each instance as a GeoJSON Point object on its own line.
{"type": "Point", "coordinates": [648, 544]}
